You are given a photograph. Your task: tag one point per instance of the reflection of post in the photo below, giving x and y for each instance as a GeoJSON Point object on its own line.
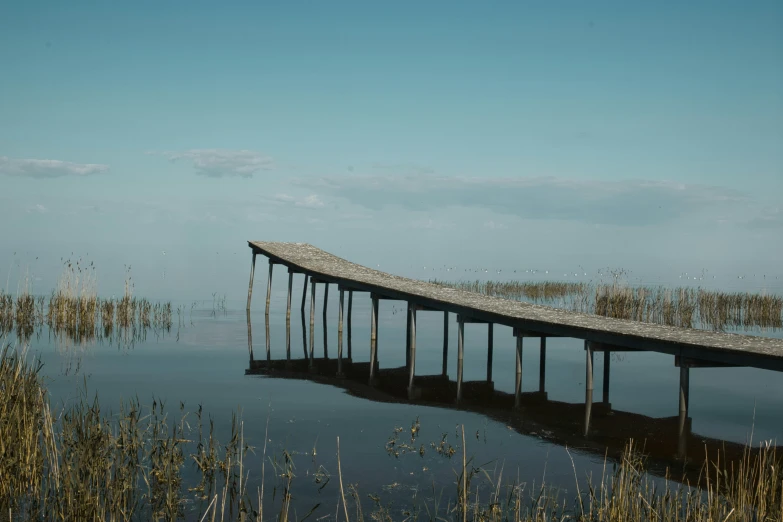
{"type": "Point", "coordinates": [350, 307]}
{"type": "Point", "coordinates": [373, 337]}
{"type": "Point", "coordinates": [412, 351]}
{"type": "Point", "coordinates": [269, 286]}
{"type": "Point", "coordinates": [250, 286]}
{"type": "Point", "coordinates": [588, 385]}
{"type": "Point", "coordinates": [518, 379]}
{"type": "Point", "coordinates": [249, 338]}
{"type": "Point", "coordinates": [312, 322]}
{"type": "Point", "coordinates": [268, 340]}
{"type": "Point", "coordinates": [683, 420]}
{"type": "Point", "coordinates": [445, 371]}
{"type": "Point", "coordinates": [460, 354]}
{"type": "Point", "coordinates": [340, 335]}
{"type": "Point", "coordinates": [490, 348]}
{"type": "Point", "coordinates": [607, 366]}
{"type": "Point", "coordinates": [542, 367]}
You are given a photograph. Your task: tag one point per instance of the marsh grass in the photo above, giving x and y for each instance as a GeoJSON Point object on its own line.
{"type": "Point", "coordinates": [84, 464]}
{"type": "Point", "coordinates": [77, 316]}
{"type": "Point", "coordinates": [682, 306]}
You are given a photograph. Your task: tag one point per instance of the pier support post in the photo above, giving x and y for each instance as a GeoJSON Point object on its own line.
{"type": "Point", "coordinates": [542, 367]}
{"type": "Point", "coordinates": [312, 323]}
{"type": "Point", "coordinates": [412, 351]}
{"type": "Point", "coordinates": [288, 318]}
{"type": "Point", "coordinates": [460, 354]}
{"type": "Point", "coordinates": [588, 385]}
{"type": "Point", "coordinates": [490, 348]}
{"type": "Point", "coordinates": [268, 342]}
{"type": "Point", "coordinates": [518, 379]}
{"type": "Point", "coordinates": [250, 286]}
{"type": "Point", "coordinates": [373, 338]}
{"type": "Point", "coordinates": [304, 293]}
{"type": "Point", "coordinates": [607, 367]}
{"type": "Point", "coordinates": [683, 420]}
{"type": "Point", "coordinates": [326, 299]}
{"type": "Point", "coordinates": [408, 338]}
{"type": "Point", "coordinates": [326, 335]}
{"type": "Point", "coordinates": [350, 307]}
{"type": "Point", "coordinates": [304, 335]}
{"type": "Point", "coordinates": [249, 338]}
{"type": "Point", "coordinates": [340, 335]}
{"type": "Point", "coordinates": [445, 370]}
{"type": "Point", "coordinates": [269, 286]}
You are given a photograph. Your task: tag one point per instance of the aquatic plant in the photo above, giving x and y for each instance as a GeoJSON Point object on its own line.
{"type": "Point", "coordinates": [84, 464]}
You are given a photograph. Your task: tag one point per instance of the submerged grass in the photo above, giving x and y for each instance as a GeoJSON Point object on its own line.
{"type": "Point", "coordinates": [84, 464]}
{"type": "Point", "coordinates": [683, 306]}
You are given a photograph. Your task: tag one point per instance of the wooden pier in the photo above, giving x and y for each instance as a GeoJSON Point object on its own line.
{"type": "Point", "coordinates": [691, 348]}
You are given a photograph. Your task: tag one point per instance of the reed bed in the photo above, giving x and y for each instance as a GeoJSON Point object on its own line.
{"type": "Point", "coordinates": [75, 313]}
{"type": "Point", "coordinates": [145, 464]}
{"type": "Point", "coordinates": [683, 306]}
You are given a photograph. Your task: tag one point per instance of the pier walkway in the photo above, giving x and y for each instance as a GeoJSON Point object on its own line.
{"type": "Point", "coordinates": [691, 348]}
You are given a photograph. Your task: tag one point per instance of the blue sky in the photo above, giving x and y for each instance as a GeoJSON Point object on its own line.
{"type": "Point", "coordinates": [506, 134]}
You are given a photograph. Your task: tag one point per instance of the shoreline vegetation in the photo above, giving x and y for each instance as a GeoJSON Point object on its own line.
{"type": "Point", "coordinates": [145, 463]}
{"type": "Point", "coordinates": [683, 306]}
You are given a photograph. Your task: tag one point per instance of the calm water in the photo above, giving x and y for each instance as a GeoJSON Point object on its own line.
{"type": "Point", "coordinates": [205, 362]}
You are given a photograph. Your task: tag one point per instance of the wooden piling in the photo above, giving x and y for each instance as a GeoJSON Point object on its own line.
{"type": "Point", "coordinates": [588, 385]}
{"type": "Point", "coordinates": [326, 299]}
{"type": "Point", "coordinates": [460, 354]}
{"type": "Point", "coordinates": [250, 286]}
{"type": "Point", "coordinates": [288, 317]}
{"type": "Point", "coordinates": [412, 351]}
{"type": "Point", "coordinates": [312, 322]}
{"type": "Point", "coordinates": [304, 293]}
{"type": "Point", "coordinates": [490, 348]}
{"type": "Point", "coordinates": [350, 308]}
{"type": "Point", "coordinates": [518, 379]}
{"type": "Point", "coordinates": [340, 335]}
{"type": "Point", "coordinates": [373, 338]}
{"type": "Point", "coordinates": [304, 335]}
{"type": "Point", "coordinates": [542, 366]}
{"type": "Point", "coordinates": [607, 366]}
{"type": "Point", "coordinates": [268, 340]}
{"type": "Point", "coordinates": [269, 286]}
{"type": "Point", "coordinates": [408, 338]}
{"type": "Point", "coordinates": [249, 337]}
{"type": "Point", "coordinates": [445, 370]}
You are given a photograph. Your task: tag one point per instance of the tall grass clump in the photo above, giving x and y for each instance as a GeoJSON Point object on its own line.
{"type": "Point", "coordinates": [76, 315]}
{"type": "Point", "coordinates": [683, 306]}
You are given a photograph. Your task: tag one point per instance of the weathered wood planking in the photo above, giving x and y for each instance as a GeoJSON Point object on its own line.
{"type": "Point", "coordinates": [727, 348]}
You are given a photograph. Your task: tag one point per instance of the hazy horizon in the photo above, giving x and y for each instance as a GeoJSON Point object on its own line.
{"type": "Point", "coordinates": [507, 137]}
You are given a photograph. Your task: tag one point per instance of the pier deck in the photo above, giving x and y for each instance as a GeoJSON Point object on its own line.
{"type": "Point", "coordinates": [528, 319]}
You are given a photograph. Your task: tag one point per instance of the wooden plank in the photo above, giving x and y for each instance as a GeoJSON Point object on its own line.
{"type": "Point", "coordinates": [729, 348]}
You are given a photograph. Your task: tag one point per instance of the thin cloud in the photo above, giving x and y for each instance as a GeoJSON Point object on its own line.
{"type": "Point", "coordinates": [311, 201]}
{"type": "Point", "coordinates": [631, 202]}
{"type": "Point", "coordinates": [48, 168]}
{"type": "Point", "coordinates": [219, 163]}
{"type": "Point", "coordinates": [40, 209]}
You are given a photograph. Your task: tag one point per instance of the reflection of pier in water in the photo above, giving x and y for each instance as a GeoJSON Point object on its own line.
{"type": "Point", "coordinates": [603, 432]}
